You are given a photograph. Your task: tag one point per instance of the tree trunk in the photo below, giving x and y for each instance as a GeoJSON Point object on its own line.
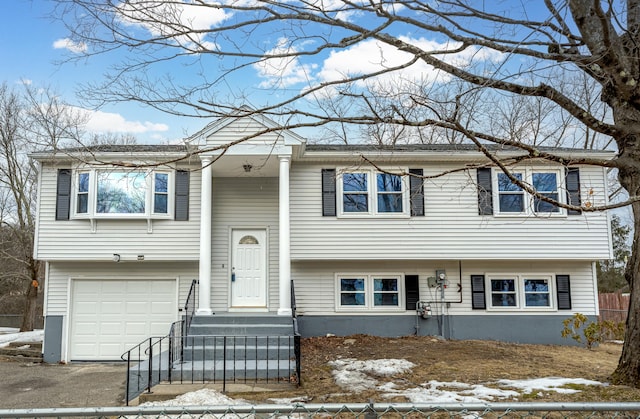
{"type": "Point", "coordinates": [31, 303]}
{"type": "Point", "coordinates": [628, 370]}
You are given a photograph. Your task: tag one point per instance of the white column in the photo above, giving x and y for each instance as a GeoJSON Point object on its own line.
{"type": "Point", "coordinates": [285, 247]}
{"type": "Point", "coordinates": [204, 289]}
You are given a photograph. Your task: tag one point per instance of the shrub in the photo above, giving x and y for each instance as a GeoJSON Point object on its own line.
{"type": "Point", "coordinates": [578, 325]}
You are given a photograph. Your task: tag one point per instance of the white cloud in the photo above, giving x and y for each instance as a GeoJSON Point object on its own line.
{"type": "Point", "coordinates": [169, 19]}
{"type": "Point", "coordinates": [283, 71]}
{"type": "Point", "coordinates": [372, 56]}
{"type": "Point", "coordinates": [68, 44]}
{"type": "Point", "coordinates": [99, 121]}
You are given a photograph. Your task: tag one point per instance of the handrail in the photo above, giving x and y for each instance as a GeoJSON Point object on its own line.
{"type": "Point", "coordinates": [190, 305]}
{"type": "Point", "coordinates": [297, 349]}
{"type": "Point", "coordinates": [208, 358]}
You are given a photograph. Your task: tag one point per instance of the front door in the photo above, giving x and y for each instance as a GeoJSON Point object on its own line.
{"type": "Point", "coordinates": [248, 268]}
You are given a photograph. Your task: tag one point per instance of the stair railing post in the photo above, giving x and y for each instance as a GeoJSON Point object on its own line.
{"type": "Point", "coordinates": [224, 364]}
{"type": "Point", "coordinates": [150, 375]}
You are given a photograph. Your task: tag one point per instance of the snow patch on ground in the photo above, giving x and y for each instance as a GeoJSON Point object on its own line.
{"type": "Point", "coordinates": [356, 376]}
{"type": "Point", "coordinates": [205, 396]}
{"type": "Point", "coordinates": [548, 384]}
{"type": "Point", "coordinates": [10, 334]}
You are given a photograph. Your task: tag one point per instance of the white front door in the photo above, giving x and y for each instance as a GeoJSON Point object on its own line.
{"type": "Point", "coordinates": [248, 268]}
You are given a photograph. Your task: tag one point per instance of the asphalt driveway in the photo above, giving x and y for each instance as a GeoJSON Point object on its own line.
{"type": "Point", "coordinates": [29, 385]}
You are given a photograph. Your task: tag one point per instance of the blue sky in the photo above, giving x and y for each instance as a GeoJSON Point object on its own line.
{"type": "Point", "coordinates": [31, 50]}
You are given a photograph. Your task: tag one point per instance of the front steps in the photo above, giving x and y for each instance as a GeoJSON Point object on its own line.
{"type": "Point", "coordinates": [22, 352]}
{"type": "Point", "coordinates": [237, 347]}
{"type": "Point", "coordinates": [220, 349]}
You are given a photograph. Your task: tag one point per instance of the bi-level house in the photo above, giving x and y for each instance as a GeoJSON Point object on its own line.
{"type": "Point", "coordinates": [369, 236]}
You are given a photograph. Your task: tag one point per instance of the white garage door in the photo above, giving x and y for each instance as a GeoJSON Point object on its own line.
{"type": "Point", "coordinates": [110, 317]}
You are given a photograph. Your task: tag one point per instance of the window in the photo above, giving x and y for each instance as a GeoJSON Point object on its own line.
{"type": "Point", "coordinates": [82, 201]}
{"type": "Point", "coordinates": [528, 291]}
{"type": "Point", "coordinates": [389, 188]}
{"type": "Point", "coordinates": [356, 196]}
{"type": "Point", "coordinates": [372, 291]}
{"type": "Point", "coordinates": [123, 193]}
{"type": "Point", "coordinates": [161, 193]}
{"type": "Point", "coordinates": [545, 184]}
{"type": "Point", "coordinates": [372, 193]}
{"type": "Point", "coordinates": [513, 200]}
{"type": "Point", "coordinates": [510, 195]}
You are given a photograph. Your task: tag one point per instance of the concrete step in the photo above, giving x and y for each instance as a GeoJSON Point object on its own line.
{"type": "Point", "coordinates": [204, 371]}
{"type": "Point", "coordinates": [230, 318]}
{"type": "Point", "coordinates": [32, 345]}
{"type": "Point", "coordinates": [282, 352]}
{"type": "Point", "coordinates": [22, 351]}
{"type": "Point", "coordinates": [241, 329]}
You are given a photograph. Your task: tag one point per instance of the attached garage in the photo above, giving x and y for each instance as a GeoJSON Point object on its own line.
{"type": "Point", "coordinates": [109, 317]}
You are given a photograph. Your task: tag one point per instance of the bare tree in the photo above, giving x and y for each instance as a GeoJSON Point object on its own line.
{"type": "Point", "coordinates": [392, 64]}
{"type": "Point", "coordinates": [30, 119]}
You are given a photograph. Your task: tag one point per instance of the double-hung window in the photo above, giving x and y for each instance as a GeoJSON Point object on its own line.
{"type": "Point", "coordinates": [82, 193]}
{"type": "Point", "coordinates": [117, 193]}
{"type": "Point", "coordinates": [160, 193]}
{"type": "Point", "coordinates": [546, 184]}
{"type": "Point", "coordinates": [355, 198]}
{"type": "Point", "coordinates": [511, 199]}
{"type": "Point", "coordinates": [510, 195]}
{"type": "Point", "coordinates": [369, 292]}
{"type": "Point", "coordinates": [520, 292]}
{"type": "Point", "coordinates": [373, 193]}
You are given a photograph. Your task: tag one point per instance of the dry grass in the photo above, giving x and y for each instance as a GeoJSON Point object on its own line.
{"type": "Point", "coordinates": [471, 362]}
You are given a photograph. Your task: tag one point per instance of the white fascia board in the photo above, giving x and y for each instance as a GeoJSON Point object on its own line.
{"type": "Point", "coordinates": [466, 156]}
{"type": "Point", "coordinates": [251, 150]}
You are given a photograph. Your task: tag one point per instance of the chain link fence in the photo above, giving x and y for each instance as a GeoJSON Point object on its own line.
{"type": "Point", "coordinates": [346, 411]}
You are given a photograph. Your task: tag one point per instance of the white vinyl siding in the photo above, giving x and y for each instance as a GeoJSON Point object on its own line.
{"type": "Point", "coordinates": [74, 239]}
{"type": "Point", "coordinates": [242, 203]}
{"type": "Point", "coordinates": [315, 283]}
{"type": "Point", "coordinates": [451, 227]}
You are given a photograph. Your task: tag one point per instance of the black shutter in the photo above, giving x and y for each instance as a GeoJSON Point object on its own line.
{"type": "Point", "coordinates": [411, 291]}
{"type": "Point", "coordinates": [485, 197]}
{"type": "Point", "coordinates": [478, 300]}
{"type": "Point", "coordinates": [63, 194]}
{"type": "Point", "coordinates": [572, 178]}
{"type": "Point", "coordinates": [416, 189]}
{"type": "Point", "coordinates": [328, 192]}
{"type": "Point", "coordinates": [563, 290]}
{"type": "Point", "coordinates": [182, 195]}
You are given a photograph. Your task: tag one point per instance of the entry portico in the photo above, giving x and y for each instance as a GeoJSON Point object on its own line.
{"type": "Point", "coordinates": [230, 148]}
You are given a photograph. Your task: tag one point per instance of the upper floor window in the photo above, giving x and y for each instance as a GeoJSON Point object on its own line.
{"type": "Point", "coordinates": [512, 199]}
{"type": "Point", "coordinates": [369, 192]}
{"type": "Point", "coordinates": [122, 193]}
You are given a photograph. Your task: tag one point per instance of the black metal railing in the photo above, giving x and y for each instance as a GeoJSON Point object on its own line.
{"type": "Point", "coordinates": [297, 349]}
{"type": "Point", "coordinates": [190, 305]}
{"type": "Point", "coordinates": [209, 359]}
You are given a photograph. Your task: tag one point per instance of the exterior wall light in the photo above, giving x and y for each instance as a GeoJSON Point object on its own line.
{"type": "Point", "coordinates": [116, 257]}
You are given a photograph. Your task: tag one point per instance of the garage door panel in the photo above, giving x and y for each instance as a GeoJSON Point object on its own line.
{"type": "Point", "coordinates": [138, 307]}
{"type": "Point", "coordinates": [110, 317]}
{"type": "Point", "coordinates": [158, 307]}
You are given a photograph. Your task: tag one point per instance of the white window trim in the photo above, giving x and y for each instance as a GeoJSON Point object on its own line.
{"type": "Point", "coordinates": [368, 291]}
{"type": "Point", "coordinates": [529, 201]}
{"type": "Point", "coordinates": [149, 197]}
{"type": "Point", "coordinates": [519, 291]}
{"type": "Point", "coordinates": [372, 194]}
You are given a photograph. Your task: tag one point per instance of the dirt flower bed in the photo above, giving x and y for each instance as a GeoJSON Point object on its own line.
{"type": "Point", "coordinates": [474, 363]}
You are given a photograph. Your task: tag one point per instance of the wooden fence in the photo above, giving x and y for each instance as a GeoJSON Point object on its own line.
{"type": "Point", "coordinates": [613, 306]}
